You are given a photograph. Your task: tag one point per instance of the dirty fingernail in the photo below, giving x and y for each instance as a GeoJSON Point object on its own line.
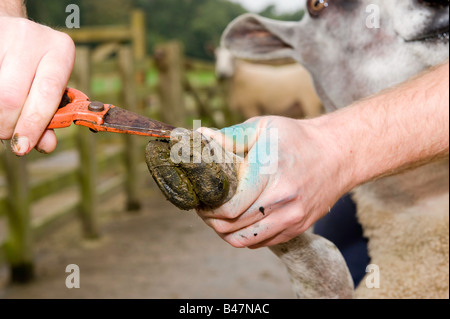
{"type": "Point", "coordinates": [20, 144]}
{"type": "Point", "coordinates": [41, 150]}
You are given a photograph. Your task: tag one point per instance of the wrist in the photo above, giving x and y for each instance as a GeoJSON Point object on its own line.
{"type": "Point", "coordinates": [345, 142]}
{"type": "Point", "coordinates": [333, 142]}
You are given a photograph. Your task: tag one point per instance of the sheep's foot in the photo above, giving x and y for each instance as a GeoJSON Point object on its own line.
{"type": "Point", "coordinates": [192, 171]}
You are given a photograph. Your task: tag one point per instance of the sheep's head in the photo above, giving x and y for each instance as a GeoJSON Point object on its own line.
{"type": "Point", "coordinates": [353, 48]}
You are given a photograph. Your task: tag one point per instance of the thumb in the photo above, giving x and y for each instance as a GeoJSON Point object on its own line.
{"type": "Point", "coordinates": [238, 139]}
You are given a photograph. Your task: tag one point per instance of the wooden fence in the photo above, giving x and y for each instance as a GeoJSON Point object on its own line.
{"type": "Point", "coordinates": [39, 192]}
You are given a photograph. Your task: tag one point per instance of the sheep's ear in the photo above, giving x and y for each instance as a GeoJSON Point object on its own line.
{"type": "Point", "coordinates": [253, 37]}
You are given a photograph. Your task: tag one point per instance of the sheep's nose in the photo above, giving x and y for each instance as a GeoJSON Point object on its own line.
{"type": "Point", "coordinates": [435, 3]}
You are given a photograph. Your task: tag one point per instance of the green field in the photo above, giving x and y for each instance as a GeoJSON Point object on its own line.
{"type": "Point", "coordinates": [111, 83]}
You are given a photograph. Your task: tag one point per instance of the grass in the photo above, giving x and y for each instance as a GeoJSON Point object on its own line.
{"type": "Point", "coordinates": [201, 78]}
{"type": "Point", "coordinates": [111, 83]}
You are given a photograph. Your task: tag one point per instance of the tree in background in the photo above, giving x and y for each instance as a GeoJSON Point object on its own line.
{"type": "Point", "coordinates": [270, 12]}
{"type": "Point", "coordinates": [49, 12]}
{"type": "Point", "coordinates": [93, 12]}
{"type": "Point", "coordinates": [198, 24]}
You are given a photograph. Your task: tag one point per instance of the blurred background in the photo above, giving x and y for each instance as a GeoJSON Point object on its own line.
{"type": "Point", "coordinates": [197, 24]}
{"type": "Point", "coordinates": [92, 202]}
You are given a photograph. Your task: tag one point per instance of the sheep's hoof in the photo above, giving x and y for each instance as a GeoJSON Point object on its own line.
{"type": "Point", "coordinates": [191, 171]}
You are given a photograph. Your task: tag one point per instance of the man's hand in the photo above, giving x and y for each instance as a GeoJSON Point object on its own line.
{"type": "Point", "coordinates": [35, 65]}
{"type": "Point", "coordinates": [281, 196]}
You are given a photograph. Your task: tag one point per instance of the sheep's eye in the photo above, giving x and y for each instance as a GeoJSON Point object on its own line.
{"type": "Point", "coordinates": [316, 6]}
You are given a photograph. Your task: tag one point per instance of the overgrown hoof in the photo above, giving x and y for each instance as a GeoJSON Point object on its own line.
{"type": "Point", "coordinates": [192, 171]}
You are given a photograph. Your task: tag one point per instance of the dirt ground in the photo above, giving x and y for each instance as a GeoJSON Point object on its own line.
{"type": "Point", "coordinates": [160, 252]}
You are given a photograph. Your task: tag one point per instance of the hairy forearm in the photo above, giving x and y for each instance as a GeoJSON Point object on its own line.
{"type": "Point", "coordinates": [12, 8]}
{"type": "Point", "coordinates": [400, 128]}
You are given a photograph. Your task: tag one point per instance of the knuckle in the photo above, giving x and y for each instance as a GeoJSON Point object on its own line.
{"type": "Point", "coordinates": [67, 42]}
{"type": "Point", "coordinates": [23, 25]}
{"type": "Point", "coordinates": [10, 98]}
{"type": "Point", "coordinates": [6, 126]}
{"type": "Point", "coordinates": [25, 30]}
{"type": "Point", "coordinates": [5, 134]}
{"type": "Point", "coordinates": [49, 87]}
{"type": "Point", "coordinates": [299, 217]}
{"type": "Point", "coordinates": [66, 45]}
{"type": "Point", "coordinates": [32, 122]}
{"type": "Point", "coordinates": [232, 214]}
{"type": "Point", "coordinates": [220, 226]}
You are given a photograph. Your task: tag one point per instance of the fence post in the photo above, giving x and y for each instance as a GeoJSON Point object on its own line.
{"type": "Point", "coordinates": [169, 62]}
{"type": "Point", "coordinates": [138, 35]}
{"type": "Point", "coordinates": [86, 143]}
{"type": "Point", "coordinates": [139, 43]}
{"type": "Point", "coordinates": [132, 151]}
{"type": "Point", "coordinates": [19, 243]}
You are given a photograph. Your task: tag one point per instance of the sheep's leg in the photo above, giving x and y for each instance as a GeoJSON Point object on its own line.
{"type": "Point", "coordinates": [316, 267]}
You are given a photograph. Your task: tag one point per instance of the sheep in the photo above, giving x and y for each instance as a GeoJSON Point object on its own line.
{"type": "Point", "coordinates": [261, 89]}
{"type": "Point", "coordinates": [350, 57]}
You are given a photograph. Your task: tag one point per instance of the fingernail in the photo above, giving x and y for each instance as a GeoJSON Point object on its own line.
{"type": "Point", "coordinates": [20, 144]}
{"type": "Point", "coordinates": [41, 151]}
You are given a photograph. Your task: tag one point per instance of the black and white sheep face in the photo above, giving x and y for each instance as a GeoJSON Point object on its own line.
{"type": "Point", "coordinates": [353, 48]}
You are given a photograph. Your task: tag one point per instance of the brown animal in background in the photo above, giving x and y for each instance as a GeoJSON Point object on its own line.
{"type": "Point", "coordinates": [260, 89]}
